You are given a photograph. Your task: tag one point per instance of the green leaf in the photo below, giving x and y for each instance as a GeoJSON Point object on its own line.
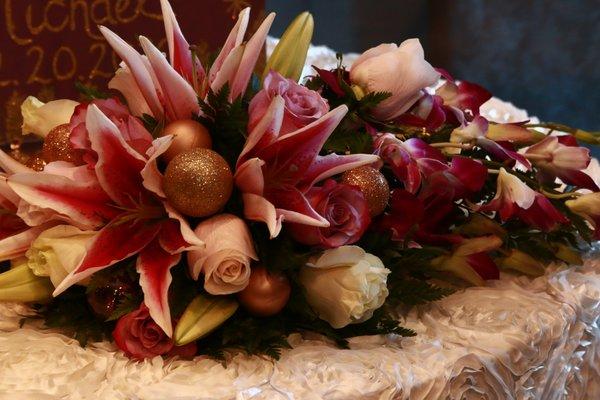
{"type": "Point", "coordinates": [348, 141]}
{"type": "Point", "coordinates": [226, 122]}
{"type": "Point", "coordinates": [90, 92]}
{"type": "Point", "coordinates": [413, 292]}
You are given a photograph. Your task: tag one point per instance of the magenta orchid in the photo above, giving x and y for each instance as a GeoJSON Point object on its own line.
{"type": "Point", "coordinates": [413, 162]}
{"type": "Point", "coordinates": [168, 89]}
{"type": "Point", "coordinates": [559, 157]}
{"type": "Point", "coordinates": [274, 171]}
{"type": "Point", "coordinates": [515, 199]}
{"type": "Point", "coordinates": [122, 196]}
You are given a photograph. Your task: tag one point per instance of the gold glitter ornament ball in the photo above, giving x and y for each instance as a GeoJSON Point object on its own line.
{"type": "Point", "coordinates": [372, 184]}
{"type": "Point", "coordinates": [198, 182]}
{"type": "Point", "coordinates": [57, 146]}
{"type": "Point", "coordinates": [36, 162]}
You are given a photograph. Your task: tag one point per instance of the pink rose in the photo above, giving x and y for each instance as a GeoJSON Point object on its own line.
{"type": "Point", "coordinates": [302, 105]}
{"type": "Point", "coordinates": [346, 210]}
{"type": "Point", "coordinates": [140, 337]}
{"type": "Point", "coordinates": [226, 258]}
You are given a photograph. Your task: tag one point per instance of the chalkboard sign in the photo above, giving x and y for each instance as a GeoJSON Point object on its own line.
{"type": "Point", "coordinates": [47, 45]}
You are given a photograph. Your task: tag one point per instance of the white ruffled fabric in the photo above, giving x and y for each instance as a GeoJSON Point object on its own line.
{"type": "Point", "coordinates": [515, 339]}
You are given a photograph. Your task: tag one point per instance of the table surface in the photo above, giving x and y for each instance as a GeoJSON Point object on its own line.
{"type": "Point", "coordinates": [514, 339]}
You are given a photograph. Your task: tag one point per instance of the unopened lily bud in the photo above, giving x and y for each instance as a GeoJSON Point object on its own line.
{"type": "Point", "coordinates": [19, 284]}
{"type": "Point", "coordinates": [521, 262]}
{"type": "Point", "coordinates": [567, 254]}
{"type": "Point", "coordinates": [202, 316]}
{"type": "Point", "coordinates": [289, 55]}
{"type": "Point", "coordinates": [480, 225]}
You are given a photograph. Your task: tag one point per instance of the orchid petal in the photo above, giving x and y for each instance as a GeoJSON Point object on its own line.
{"type": "Point", "coordinates": [118, 167]}
{"type": "Point", "coordinates": [251, 53]}
{"type": "Point", "coordinates": [154, 265]}
{"type": "Point", "coordinates": [138, 69]}
{"type": "Point", "coordinates": [179, 96]}
{"type": "Point", "coordinates": [113, 243]}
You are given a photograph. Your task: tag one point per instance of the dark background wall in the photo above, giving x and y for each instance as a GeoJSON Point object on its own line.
{"type": "Point", "coordinates": [543, 55]}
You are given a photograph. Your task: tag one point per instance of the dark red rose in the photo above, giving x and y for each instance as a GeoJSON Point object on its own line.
{"type": "Point", "coordinates": [140, 337]}
{"type": "Point", "coordinates": [344, 207]}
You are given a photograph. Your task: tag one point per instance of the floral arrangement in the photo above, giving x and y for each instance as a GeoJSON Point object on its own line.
{"type": "Point", "coordinates": [200, 206]}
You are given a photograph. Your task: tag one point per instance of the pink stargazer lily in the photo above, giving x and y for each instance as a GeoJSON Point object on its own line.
{"type": "Point", "coordinates": [122, 197]}
{"type": "Point", "coordinates": [561, 157]}
{"type": "Point", "coordinates": [168, 89]}
{"type": "Point", "coordinates": [274, 172]}
{"type": "Point", "coordinates": [16, 235]}
{"type": "Point", "coordinates": [515, 199]}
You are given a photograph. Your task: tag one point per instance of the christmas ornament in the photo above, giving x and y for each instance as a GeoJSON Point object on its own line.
{"type": "Point", "coordinates": [36, 162]}
{"type": "Point", "coordinates": [105, 298]}
{"type": "Point", "coordinates": [198, 182]}
{"type": "Point", "coordinates": [266, 294]}
{"type": "Point", "coordinates": [372, 184]}
{"type": "Point", "coordinates": [187, 134]}
{"type": "Point", "coordinates": [57, 146]}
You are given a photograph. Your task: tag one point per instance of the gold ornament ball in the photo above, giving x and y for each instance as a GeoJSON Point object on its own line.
{"type": "Point", "coordinates": [266, 294]}
{"type": "Point", "coordinates": [57, 146]}
{"type": "Point", "coordinates": [198, 182]}
{"type": "Point", "coordinates": [372, 184]}
{"type": "Point", "coordinates": [187, 134]}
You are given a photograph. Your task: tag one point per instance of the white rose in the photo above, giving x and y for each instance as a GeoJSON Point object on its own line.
{"type": "Point", "coordinates": [39, 118]}
{"type": "Point", "coordinates": [345, 285]}
{"type": "Point", "coordinates": [58, 251]}
{"type": "Point", "coordinates": [225, 260]}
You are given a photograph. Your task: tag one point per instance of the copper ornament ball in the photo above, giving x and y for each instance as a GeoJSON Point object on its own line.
{"type": "Point", "coordinates": [198, 182]}
{"type": "Point", "coordinates": [187, 134]}
{"type": "Point", "coordinates": [266, 294]}
{"type": "Point", "coordinates": [57, 146]}
{"type": "Point", "coordinates": [372, 184]}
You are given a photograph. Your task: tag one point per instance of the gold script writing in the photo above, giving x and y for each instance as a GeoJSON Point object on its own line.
{"type": "Point", "coordinates": [74, 15]}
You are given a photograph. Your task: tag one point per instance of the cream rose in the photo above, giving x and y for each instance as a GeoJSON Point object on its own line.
{"type": "Point", "coordinates": [39, 118]}
{"type": "Point", "coordinates": [225, 261]}
{"type": "Point", "coordinates": [345, 285]}
{"type": "Point", "coordinates": [58, 251]}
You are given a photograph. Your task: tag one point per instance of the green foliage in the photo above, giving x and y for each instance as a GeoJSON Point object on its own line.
{"type": "Point", "coordinates": [90, 93]}
{"type": "Point", "coordinates": [71, 313]}
{"type": "Point", "coordinates": [125, 305]}
{"type": "Point", "coordinates": [152, 125]}
{"type": "Point", "coordinates": [183, 289]}
{"type": "Point", "coordinates": [414, 292]}
{"type": "Point", "coordinates": [349, 141]}
{"type": "Point", "coordinates": [226, 122]}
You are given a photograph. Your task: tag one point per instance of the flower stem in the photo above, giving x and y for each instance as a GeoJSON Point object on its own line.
{"type": "Point", "coordinates": [464, 146]}
{"type": "Point", "coordinates": [558, 196]}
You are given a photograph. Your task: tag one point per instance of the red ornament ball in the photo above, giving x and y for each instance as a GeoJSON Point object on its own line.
{"type": "Point", "coordinates": [266, 294]}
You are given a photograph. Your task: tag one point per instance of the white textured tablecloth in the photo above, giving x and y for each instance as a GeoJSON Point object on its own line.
{"type": "Point", "coordinates": [515, 339]}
